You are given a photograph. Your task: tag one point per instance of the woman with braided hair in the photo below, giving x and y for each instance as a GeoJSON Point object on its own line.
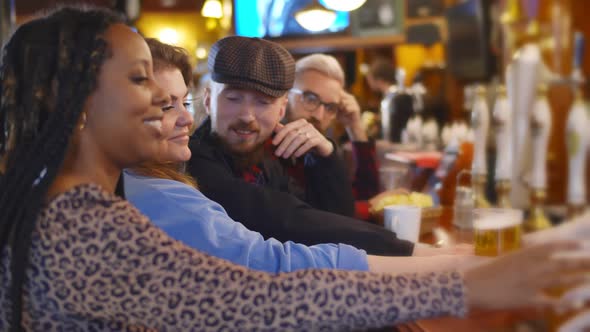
{"type": "Point", "coordinates": [79, 104]}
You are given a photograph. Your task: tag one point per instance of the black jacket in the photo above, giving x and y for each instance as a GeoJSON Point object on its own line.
{"type": "Point", "coordinates": [326, 184]}
{"type": "Point", "coordinates": [273, 211]}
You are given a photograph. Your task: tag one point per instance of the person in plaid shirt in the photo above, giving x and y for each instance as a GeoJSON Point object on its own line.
{"type": "Point", "coordinates": [317, 100]}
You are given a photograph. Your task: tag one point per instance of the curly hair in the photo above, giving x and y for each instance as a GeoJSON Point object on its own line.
{"type": "Point", "coordinates": [49, 68]}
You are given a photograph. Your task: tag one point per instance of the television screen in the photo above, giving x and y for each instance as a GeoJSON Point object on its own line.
{"type": "Point", "coordinates": [469, 51]}
{"type": "Point", "coordinates": [276, 18]}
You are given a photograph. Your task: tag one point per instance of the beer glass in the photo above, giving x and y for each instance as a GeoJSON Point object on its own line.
{"type": "Point", "coordinates": [497, 230]}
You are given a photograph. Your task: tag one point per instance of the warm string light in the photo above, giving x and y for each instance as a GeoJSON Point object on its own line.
{"type": "Point", "coordinates": [212, 9]}
{"type": "Point", "coordinates": [201, 53]}
{"type": "Point", "coordinates": [169, 36]}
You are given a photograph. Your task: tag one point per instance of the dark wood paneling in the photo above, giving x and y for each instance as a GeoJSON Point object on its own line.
{"type": "Point", "coordinates": [179, 5]}
{"type": "Point", "coordinates": [29, 7]}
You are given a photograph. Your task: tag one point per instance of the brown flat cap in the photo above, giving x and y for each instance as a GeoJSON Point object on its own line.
{"type": "Point", "coordinates": [252, 63]}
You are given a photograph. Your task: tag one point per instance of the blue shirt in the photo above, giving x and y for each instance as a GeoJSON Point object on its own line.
{"type": "Point", "coordinates": [187, 215]}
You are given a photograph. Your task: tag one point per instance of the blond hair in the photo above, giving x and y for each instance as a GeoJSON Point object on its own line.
{"type": "Point", "coordinates": [325, 64]}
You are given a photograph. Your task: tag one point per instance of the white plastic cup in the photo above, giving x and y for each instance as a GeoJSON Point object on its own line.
{"type": "Point", "coordinates": [404, 221]}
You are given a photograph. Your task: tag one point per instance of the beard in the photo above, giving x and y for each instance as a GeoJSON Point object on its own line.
{"type": "Point", "coordinates": [314, 122]}
{"type": "Point", "coordinates": [242, 160]}
{"type": "Point", "coordinates": [290, 118]}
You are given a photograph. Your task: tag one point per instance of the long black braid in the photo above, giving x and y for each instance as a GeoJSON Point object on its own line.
{"type": "Point", "coordinates": [49, 68]}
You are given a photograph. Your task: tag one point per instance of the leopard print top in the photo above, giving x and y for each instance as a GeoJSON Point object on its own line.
{"type": "Point", "coordinates": [98, 264]}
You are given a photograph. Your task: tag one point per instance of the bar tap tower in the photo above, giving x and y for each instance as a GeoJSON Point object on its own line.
{"type": "Point", "coordinates": [540, 127]}
{"type": "Point", "coordinates": [522, 77]}
{"type": "Point", "coordinates": [480, 122]}
{"type": "Point", "coordinates": [502, 122]}
{"type": "Point", "coordinates": [577, 135]}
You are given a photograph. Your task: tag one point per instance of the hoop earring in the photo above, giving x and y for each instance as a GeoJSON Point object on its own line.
{"type": "Point", "coordinates": [83, 121]}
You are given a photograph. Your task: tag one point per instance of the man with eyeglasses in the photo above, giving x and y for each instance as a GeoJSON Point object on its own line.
{"type": "Point", "coordinates": [318, 98]}
{"type": "Point", "coordinates": [240, 154]}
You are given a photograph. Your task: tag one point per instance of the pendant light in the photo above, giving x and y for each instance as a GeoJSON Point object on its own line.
{"type": "Point", "coordinates": [315, 17]}
{"type": "Point", "coordinates": [344, 5]}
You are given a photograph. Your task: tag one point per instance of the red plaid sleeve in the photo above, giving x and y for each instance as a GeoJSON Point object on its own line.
{"type": "Point", "coordinates": [366, 179]}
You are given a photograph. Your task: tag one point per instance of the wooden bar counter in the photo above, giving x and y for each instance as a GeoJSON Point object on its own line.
{"type": "Point", "coordinates": [524, 320]}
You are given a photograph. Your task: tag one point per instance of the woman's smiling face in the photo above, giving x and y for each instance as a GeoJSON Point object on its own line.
{"type": "Point", "coordinates": [124, 113]}
{"type": "Point", "coordinates": [177, 120]}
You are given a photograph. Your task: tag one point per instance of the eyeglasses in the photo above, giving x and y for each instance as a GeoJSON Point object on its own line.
{"type": "Point", "coordinates": [311, 102]}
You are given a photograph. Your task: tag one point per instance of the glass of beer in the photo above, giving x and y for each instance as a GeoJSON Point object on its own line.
{"type": "Point", "coordinates": [497, 230]}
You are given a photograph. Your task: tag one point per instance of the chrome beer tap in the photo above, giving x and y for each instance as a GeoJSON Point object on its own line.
{"type": "Point", "coordinates": [502, 121]}
{"type": "Point", "coordinates": [540, 127]}
{"type": "Point", "coordinates": [577, 136]}
{"type": "Point", "coordinates": [480, 122]}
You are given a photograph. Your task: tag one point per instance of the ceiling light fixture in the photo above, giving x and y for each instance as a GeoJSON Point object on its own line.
{"type": "Point", "coordinates": [315, 17]}
{"type": "Point", "coordinates": [212, 9]}
{"type": "Point", "coordinates": [344, 5]}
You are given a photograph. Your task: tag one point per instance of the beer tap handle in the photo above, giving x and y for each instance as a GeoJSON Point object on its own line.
{"type": "Point", "coordinates": [400, 77]}
{"type": "Point", "coordinates": [531, 9]}
{"type": "Point", "coordinates": [579, 44]}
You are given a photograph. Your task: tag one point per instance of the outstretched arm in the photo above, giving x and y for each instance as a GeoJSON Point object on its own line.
{"type": "Point", "coordinates": [136, 275]}
{"type": "Point", "coordinates": [187, 215]}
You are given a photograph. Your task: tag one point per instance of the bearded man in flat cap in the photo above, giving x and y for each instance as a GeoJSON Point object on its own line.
{"type": "Point", "coordinates": [239, 155]}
